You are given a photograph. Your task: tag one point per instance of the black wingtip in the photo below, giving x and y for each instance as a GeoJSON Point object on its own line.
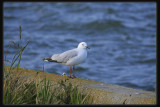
{"type": "Point", "coordinates": [46, 59]}
{"type": "Point", "coordinates": [49, 60]}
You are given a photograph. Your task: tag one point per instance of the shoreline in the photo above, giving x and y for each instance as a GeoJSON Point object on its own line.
{"type": "Point", "coordinates": [101, 93]}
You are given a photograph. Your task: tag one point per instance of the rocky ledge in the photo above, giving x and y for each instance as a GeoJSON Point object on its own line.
{"type": "Point", "coordinates": [101, 93]}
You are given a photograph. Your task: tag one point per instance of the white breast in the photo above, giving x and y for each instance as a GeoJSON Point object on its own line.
{"type": "Point", "coordinates": [82, 55]}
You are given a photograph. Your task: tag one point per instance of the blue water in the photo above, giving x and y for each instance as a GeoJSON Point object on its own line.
{"type": "Point", "coordinates": [122, 38]}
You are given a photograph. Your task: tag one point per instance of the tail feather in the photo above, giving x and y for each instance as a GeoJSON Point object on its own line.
{"type": "Point", "coordinates": [49, 60]}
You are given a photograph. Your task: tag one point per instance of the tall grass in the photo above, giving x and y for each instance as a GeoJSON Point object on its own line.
{"type": "Point", "coordinates": [19, 51]}
{"type": "Point", "coordinates": [19, 89]}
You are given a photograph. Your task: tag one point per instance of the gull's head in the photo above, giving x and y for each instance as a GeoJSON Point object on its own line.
{"type": "Point", "coordinates": [83, 45]}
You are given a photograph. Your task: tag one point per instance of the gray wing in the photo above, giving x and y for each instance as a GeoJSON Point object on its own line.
{"type": "Point", "coordinates": [65, 56]}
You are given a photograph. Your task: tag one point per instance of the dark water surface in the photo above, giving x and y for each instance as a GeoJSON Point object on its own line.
{"type": "Point", "coordinates": [122, 38]}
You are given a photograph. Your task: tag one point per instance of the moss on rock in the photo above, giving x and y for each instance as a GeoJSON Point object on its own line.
{"type": "Point", "coordinates": [101, 93]}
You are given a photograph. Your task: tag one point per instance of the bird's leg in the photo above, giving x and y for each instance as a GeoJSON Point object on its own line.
{"type": "Point", "coordinates": [70, 73]}
{"type": "Point", "coordinates": [73, 73]}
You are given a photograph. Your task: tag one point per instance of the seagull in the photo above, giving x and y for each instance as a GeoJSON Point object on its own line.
{"type": "Point", "coordinates": [71, 57]}
{"type": "Point", "coordinates": [63, 74]}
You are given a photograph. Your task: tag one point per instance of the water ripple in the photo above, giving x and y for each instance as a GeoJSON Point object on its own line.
{"type": "Point", "coordinates": [122, 37]}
